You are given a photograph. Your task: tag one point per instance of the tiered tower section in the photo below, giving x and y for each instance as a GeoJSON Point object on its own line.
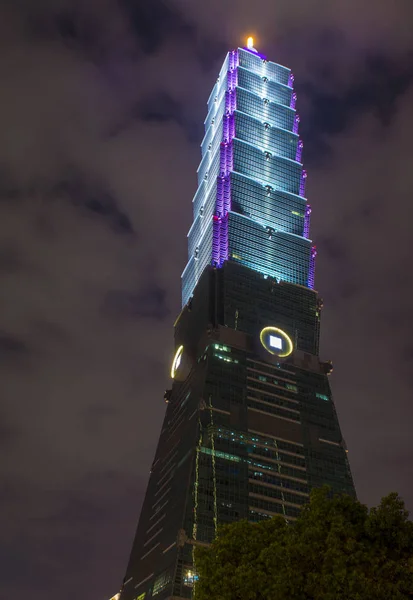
{"type": "Point", "coordinates": [250, 204]}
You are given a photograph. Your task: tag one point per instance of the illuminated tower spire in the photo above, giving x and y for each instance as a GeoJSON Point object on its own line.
{"type": "Point", "coordinates": [250, 44]}
{"type": "Point", "coordinates": [250, 204]}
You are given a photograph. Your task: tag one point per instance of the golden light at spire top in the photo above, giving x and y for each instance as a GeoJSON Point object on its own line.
{"type": "Point", "coordinates": [250, 43]}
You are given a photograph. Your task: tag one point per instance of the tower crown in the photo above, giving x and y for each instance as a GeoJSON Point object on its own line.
{"type": "Point", "coordinates": [250, 204]}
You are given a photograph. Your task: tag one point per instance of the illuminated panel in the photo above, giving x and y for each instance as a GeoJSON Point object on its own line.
{"type": "Point", "coordinates": [176, 361]}
{"type": "Point", "coordinates": [276, 341]}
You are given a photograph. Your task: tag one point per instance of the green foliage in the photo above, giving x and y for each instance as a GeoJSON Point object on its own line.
{"type": "Point", "coordinates": [337, 549]}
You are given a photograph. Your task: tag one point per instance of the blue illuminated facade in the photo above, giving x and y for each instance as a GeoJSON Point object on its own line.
{"type": "Point", "coordinates": [250, 204]}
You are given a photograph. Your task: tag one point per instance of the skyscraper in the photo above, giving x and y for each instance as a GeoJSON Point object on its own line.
{"type": "Point", "coordinates": [250, 424]}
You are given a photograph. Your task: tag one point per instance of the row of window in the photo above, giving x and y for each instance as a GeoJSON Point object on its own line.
{"type": "Point", "coordinates": [243, 447]}
{"type": "Point", "coordinates": [278, 115]}
{"type": "Point", "coordinates": [262, 439]}
{"type": "Point", "coordinates": [269, 69]}
{"type": "Point", "coordinates": [282, 495]}
{"type": "Point", "coordinates": [256, 461]}
{"type": "Point", "coordinates": [274, 507]}
{"type": "Point", "coordinates": [283, 482]}
{"type": "Point", "coordinates": [275, 92]}
{"type": "Point", "coordinates": [268, 409]}
{"type": "Point", "coordinates": [275, 140]}
{"type": "Point", "coordinates": [280, 173]}
{"type": "Point", "coordinates": [272, 385]}
{"type": "Point", "coordinates": [274, 208]}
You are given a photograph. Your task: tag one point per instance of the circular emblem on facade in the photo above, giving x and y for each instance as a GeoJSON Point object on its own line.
{"type": "Point", "coordinates": [276, 341]}
{"type": "Point", "coordinates": [176, 361]}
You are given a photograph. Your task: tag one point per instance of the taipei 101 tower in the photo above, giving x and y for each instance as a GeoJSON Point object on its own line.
{"type": "Point", "coordinates": [250, 425]}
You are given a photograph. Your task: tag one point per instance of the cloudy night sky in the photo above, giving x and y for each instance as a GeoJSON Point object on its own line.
{"type": "Point", "coordinates": [102, 104]}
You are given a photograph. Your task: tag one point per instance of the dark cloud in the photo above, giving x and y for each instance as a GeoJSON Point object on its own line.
{"type": "Point", "coordinates": [102, 105]}
{"type": "Point", "coordinates": [154, 22]}
{"type": "Point", "coordinates": [93, 199]}
{"type": "Point", "coordinates": [377, 84]}
{"type": "Point", "coordinates": [11, 259]}
{"type": "Point", "coordinates": [8, 435]}
{"type": "Point", "coordinates": [148, 303]}
{"type": "Point", "coordinates": [8, 188]}
{"type": "Point", "coordinates": [161, 107]}
{"type": "Point", "coordinates": [11, 347]}
{"type": "Point", "coordinates": [332, 247]}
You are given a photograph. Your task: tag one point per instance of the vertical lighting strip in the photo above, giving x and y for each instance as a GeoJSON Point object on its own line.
{"type": "Point", "coordinates": [216, 241]}
{"type": "Point", "coordinates": [296, 123]}
{"type": "Point", "coordinates": [311, 272]}
{"type": "Point", "coordinates": [214, 475]}
{"type": "Point", "coordinates": [306, 232]}
{"type": "Point", "coordinates": [299, 152]}
{"type": "Point", "coordinates": [302, 182]}
{"type": "Point", "coordinates": [196, 486]}
{"type": "Point", "coordinates": [220, 248]}
{"type": "Point", "coordinates": [279, 471]}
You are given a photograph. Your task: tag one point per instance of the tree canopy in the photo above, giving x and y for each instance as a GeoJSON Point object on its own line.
{"type": "Point", "coordinates": [337, 549]}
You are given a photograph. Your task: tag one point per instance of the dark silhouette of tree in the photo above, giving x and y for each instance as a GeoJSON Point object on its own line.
{"type": "Point", "coordinates": [337, 549]}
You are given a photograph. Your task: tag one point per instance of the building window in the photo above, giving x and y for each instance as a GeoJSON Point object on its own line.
{"type": "Point", "coordinates": [161, 582]}
{"type": "Point", "coordinates": [293, 388]}
{"type": "Point", "coordinates": [190, 577]}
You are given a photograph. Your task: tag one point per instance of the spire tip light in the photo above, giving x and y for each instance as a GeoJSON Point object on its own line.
{"type": "Point", "coordinates": [250, 43]}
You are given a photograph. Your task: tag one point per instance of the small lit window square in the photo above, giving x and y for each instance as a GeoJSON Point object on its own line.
{"type": "Point", "coordinates": [276, 342]}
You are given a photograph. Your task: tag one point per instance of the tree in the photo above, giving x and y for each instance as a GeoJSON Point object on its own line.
{"type": "Point", "coordinates": [337, 549]}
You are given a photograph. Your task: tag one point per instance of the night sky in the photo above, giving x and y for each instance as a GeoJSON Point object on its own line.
{"type": "Point", "coordinates": [102, 104]}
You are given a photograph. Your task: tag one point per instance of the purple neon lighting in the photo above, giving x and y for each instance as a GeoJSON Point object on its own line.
{"type": "Point", "coordinates": [299, 152]}
{"type": "Point", "coordinates": [232, 79]}
{"type": "Point", "coordinates": [311, 272]}
{"type": "Point", "coordinates": [216, 246]}
{"type": "Point", "coordinates": [227, 193]}
{"type": "Point", "coordinates": [219, 205]}
{"type": "Point", "coordinates": [225, 129]}
{"type": "Point", "coordinates": [228, 129]}
{"type": "Point", "coordinates": [262, 56]}
{"type": "Point", "coordinates": [220, 246]}
{"type": "Point", "coordinates": [224, 243]}
{"type": "Point", "coordinates": [232, 126]}
{"type": "Point", "coordinates": [293, 100]}
{"type": "Point", "coordinates": [302, 182]}
{"type": "Point", "coordinates": [296, 123]}
{"type": "Point", "coordinates": [233, 59]}
{"type": "Point", "coordinates": [290, 80]}
{"type": "Point", "coordinates": [307, 214]}
{"type": "Point", "coordinates": [220, 243]}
